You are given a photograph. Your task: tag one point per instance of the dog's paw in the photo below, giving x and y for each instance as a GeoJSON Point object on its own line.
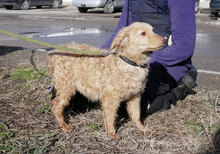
{"type": "Point", "coordinates": [66, 128]}
{"type": "Point", "coordinates": [147, 130]}
{"type": "Point", "coordinates": [113, 136]}
{"type": "Point", "coordinates": [144, 129]}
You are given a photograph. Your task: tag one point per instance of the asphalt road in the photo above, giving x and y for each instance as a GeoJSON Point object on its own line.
{"type": "Point", "coordinates": [60, 26]}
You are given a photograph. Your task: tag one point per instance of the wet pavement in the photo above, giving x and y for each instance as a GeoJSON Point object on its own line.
{"type": "Point", "coordinates": [66, 24]}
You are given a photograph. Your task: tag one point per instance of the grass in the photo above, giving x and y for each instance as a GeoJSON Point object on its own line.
{"type": "Point", "coordinates": [209, 102]}
{"type": "Point", "coordinates": [195, 125]}
{"type": "Point", "coordinates": [4, 133]}
{"type": "Point", "coordinates": [42, 136]}
{"type": "Point", "coordinates": [45, 108]}
{"type": "Point", "coordinates": [5, 148]}
{"type": "Point", "coordinates": [26, 73]}
{"type": "Point", "coordinates": [94, 127]}
{"type": "Point", "coordinates": [5, 136]}
{"type": "Point", "coordinates": [36, 143]}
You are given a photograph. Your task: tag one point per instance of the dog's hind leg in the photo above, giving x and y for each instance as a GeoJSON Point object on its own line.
{"type": "Point", "coordinates": [60, 102]}
{"type": "Point", "coordinates": [110, 107]}
{"type": "Point", "coordinates": [133, 108]}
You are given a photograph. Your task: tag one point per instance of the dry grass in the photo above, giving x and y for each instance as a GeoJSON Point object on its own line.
{"type": "Point", "coordinates": [193, 126]}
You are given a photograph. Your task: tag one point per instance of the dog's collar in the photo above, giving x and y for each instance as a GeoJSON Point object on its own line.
{"type": "Point", "coordinates": [132, 62]}
{"type": "Point", "coordinates": [126, 59]}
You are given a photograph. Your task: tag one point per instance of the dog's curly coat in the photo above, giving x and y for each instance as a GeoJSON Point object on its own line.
{"type": "Point", "coordinates": [107, 79]}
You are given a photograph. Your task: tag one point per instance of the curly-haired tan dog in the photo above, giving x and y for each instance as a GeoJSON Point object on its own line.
{"type": "Point", "coordinates": [109, 79]}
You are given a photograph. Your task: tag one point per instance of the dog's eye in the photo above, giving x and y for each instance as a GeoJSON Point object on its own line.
{"type": "Point", "coordinates": [143, 33]}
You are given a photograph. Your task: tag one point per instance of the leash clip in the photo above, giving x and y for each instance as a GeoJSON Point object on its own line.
{"type": "Point", "coordinates": [110, 52]}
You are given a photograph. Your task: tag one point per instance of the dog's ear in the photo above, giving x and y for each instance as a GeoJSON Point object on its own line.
{"type": "Point", "coordinates": [121, 39]}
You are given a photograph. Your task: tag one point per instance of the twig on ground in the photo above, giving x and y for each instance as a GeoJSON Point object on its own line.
{"type": "Point", "coordinates": [208, 135]}
{"type": "Point", "coordinates": [4, 125]}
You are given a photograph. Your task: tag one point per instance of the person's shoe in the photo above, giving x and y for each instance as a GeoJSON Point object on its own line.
{"type": "Point", "coordinates": [160, 103]}
{"type": "Point", "coordinates": [184, 87]}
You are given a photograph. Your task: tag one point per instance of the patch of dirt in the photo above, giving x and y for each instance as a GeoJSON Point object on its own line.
{"type": "Point", "coordinates": [193, 126]}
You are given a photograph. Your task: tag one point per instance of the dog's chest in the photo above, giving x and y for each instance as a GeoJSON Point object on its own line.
{"type": "Point", "coordinates": [130, 78]}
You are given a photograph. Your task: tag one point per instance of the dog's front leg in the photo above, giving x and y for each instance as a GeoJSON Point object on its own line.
{"type": "Point", "coordinates": [134, 111]}
{"type": "Point", "coordinates": [109, 113]}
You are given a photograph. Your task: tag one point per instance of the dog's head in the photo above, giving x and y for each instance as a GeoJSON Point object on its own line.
{"type": "Point", "coordinates": [137, 37]}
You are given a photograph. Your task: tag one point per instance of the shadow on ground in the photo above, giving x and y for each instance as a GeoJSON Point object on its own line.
{"type": "Point", "coordinates": [8, 49]}
{"type": "Point", "coordinates": [80, 105]}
